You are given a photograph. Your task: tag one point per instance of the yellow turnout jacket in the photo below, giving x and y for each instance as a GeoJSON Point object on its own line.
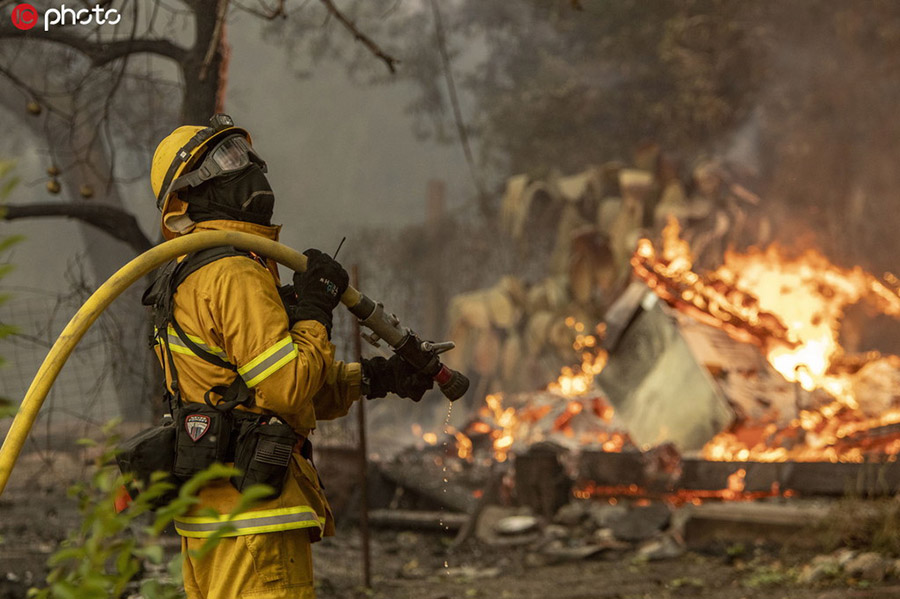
{"type": "Point", "coordinates": [231, 308]}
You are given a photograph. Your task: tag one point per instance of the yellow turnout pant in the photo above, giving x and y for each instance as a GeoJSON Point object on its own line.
{"type": "Point", "coordinates": [274, 565]}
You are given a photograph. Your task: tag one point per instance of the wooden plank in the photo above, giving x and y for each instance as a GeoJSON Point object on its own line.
{"type": "Point", "coordinates": [730, 522]}
{"type": "Point", "coordinates": [803, 478]}
{"type": "Point", "coordinates": [610, 469]}
{"type": "Point", "coordinates": [824, 478]}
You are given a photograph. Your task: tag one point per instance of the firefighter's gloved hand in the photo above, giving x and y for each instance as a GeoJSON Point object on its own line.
{"type": "Point", "coordinates": [320, 287]}
{"type": "Point", "coordinates": [394, 375]}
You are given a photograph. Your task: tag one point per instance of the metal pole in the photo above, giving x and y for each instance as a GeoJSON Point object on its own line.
{"type": "Point", "coordinates": [363, 455]}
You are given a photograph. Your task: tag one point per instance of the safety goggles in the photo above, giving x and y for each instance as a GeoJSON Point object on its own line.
{"type": "Point", "coordinates": [231, 155]}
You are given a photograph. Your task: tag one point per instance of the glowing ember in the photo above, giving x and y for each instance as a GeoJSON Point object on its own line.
{"type": "Point", "coordinates": [736, 483]}
{"type": "Point", "coordinates": [585, 420]}
{"type": "Point", "coordinates": [639, 495]}
{"type": "Point", "coordinates": [578, 380]}
{"type": "Point", "coordinates": [464, 445]}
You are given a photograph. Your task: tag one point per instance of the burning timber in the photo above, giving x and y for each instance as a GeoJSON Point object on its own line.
{"type": "Point", "coordinates": [809, 400]}
{"type": "Point", "coordinates": [726, 386]}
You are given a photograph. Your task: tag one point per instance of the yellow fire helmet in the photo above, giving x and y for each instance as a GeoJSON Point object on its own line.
{"type": "Point", "coordinates": [178, 154]}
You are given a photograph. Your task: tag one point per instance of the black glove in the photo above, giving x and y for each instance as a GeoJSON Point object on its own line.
{"type": "Point", "coordinates": [291, 302]}
{"type": "Point", "coordinates": [320, 287]}
{"type": "Point", "coordinates": [395, 375]}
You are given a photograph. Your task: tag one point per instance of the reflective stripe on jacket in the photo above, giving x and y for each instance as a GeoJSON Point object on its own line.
{"type": "Point", "coordinates": [231, 308]}
{"type": "Point", "coordinates": [248, 523]}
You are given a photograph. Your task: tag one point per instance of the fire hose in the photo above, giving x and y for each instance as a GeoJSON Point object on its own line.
{"type": "Point", "coordinates": [423, 355]}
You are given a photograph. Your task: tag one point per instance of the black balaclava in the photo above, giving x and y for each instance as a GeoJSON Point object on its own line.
{"type": "Point", "coordinates": [245, 196]}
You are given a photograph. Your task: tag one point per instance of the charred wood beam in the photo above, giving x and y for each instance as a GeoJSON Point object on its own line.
{"type": "Point", "coordinates": [111, 220]}
{"type": "Point", "coordinates": [874, 435]}
{"type": "Point", "coordinates": [627, 470]}
{"type": "Point", "coordinates": [541, 481]}
{"type": "Point", "coordinates": [429, 484]}
{"type": "Point", "coordinates": [417, 520]}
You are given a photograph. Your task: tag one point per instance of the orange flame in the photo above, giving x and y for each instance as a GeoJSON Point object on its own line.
{"type": "Point", "coordinates": [792, 308]}
{"type": "Point", "coordinates": [578, 380]}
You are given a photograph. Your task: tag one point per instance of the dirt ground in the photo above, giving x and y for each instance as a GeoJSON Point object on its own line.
{"type": "Point", "coordinates": [410, 565]}
{"type": "Point", "coordinates": [35, 515]}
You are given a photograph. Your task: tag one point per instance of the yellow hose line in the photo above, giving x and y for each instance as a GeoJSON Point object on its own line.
{"type": "Point", "coordinates": [104, 296]}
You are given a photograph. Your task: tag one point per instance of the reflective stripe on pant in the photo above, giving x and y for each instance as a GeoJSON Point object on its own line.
{"type": "Point", "coordinates": [275, 565]}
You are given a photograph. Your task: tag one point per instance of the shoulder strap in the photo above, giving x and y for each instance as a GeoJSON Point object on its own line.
{"type": "Point", "coordinates": [160, 295]}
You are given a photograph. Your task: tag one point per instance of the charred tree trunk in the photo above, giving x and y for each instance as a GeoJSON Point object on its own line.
{"type": "Point", "coordinates": [206, 64]}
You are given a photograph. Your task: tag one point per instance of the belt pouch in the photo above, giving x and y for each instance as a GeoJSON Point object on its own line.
{"type": "Point", "coordinates": [202, 435]}
{"type": "Point", "coordinates": [263, 454]}
{"type": "Point", "coordinates": [151, 450]}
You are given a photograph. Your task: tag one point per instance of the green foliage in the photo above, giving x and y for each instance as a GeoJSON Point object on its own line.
{"type": "Point", "coordinates": [7, 182]}
{"type": "Point", "coordinates": [107, 553]}
{"type": "Point", "coordinates": [687, 582]}
{"type": "Point", "coordinates": [770, 576]}
{"type": "Point", "coordinates": [868, 524]}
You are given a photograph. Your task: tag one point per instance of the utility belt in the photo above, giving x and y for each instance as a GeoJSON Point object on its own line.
{"type": "Point", "coordinates": [260, 446]}
{"type": "Point", "coordinates": [197, 436]}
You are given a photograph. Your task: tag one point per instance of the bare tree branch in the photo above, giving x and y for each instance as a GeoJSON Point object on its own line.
{"type": "Point", "coordinates": [390, 61]}
{"type": "Point", "coordinates": [112, 220]}
{"type": "Point", "coordinates": [267, 13]}
{"type": "Point", "coordinates": [483, 196]}
{"type": "Point", "coordinates": [101, 53]}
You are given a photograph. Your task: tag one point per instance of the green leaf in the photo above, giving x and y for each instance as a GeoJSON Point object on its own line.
{"type": "Point", "coordinates": [8, 409]}
{"type": "Point", "coordinates": [8, 242]}
{"type": "Point", "coordinates": [63, 555]}
{"type": "Point", "coordinates": [175, 567]}
{"type": "Point", "coordinates": [152, 553]}
{"type": "Point", "coordinates": [210, 543]}
{"type": "Point", "coordinates": [7, 186]}
{"type": "Point", "coordinates": [199, 480]}
{"type": "Point", "coordinates": [250, 496]}
{"type": "Point", "coordinates": [125, 558]}
{"type": "Point", "coordinates": [6, 167]}
{"type": "Point", "coordinates": [109, 429]}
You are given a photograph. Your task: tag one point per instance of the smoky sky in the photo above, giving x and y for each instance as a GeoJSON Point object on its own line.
{"type": "Point", "coordinates": [341, 156]}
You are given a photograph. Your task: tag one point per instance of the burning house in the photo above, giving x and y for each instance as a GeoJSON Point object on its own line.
{"type": "Point", "coordinates": [714, 395]}
{"type": "Point", "coordinates": [728, 383]}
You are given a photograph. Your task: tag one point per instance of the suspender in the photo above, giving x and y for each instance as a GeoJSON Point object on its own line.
{"type": "Point", "coordinates": [160, 295]}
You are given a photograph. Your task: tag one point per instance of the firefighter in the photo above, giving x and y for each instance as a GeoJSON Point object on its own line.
{"type": "Point", "coordinates": [236, 352]}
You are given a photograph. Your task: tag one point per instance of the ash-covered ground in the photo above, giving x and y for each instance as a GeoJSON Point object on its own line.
{"type": "Point", "coordinates": [545, 559]}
